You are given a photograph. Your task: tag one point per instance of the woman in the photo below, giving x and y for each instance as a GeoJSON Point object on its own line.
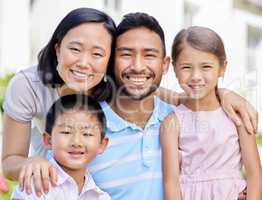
{"type": "Point", "coordinates": [75, 60]}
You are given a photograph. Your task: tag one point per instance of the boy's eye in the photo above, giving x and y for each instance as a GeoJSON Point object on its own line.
{"type": "Point", "coordinates": [88, 134]}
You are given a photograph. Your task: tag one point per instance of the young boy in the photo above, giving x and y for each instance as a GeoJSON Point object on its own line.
{"type": "Point", "coordinates": [74, 132]}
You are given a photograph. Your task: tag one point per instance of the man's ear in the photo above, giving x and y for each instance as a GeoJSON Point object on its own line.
{"type": "Point", "coordinates": [222, 68]}
{"type": "Point", "coordinates": [47, 140]}
{"type": "Point", "coordinates": [166, 64]}
{"type": "Point", "coordinates": [103, 145]}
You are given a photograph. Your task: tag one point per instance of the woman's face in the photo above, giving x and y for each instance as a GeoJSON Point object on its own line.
{"type": "Point", "coordinates": [83, 55]}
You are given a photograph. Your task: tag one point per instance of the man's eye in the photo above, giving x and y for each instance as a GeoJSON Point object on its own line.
{"type": "Point", "coordinates": [150, 55]}
{"type": "Point", "coordinates": [185, 67]}
{"type": "Point", "coordinates": [125, 54]}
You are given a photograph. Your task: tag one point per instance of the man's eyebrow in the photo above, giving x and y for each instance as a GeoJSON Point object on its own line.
{"type": "Point", "coordinates": [124, 49]}
{"type": "Point", "coordinates": [152, 50]}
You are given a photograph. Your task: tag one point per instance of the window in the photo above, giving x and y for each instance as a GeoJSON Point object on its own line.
{"type": "Point", "coordinates": [254, 41]}
{"type": "Point", "coordinates": [190, 10]}
{"type": "Point", "coordinates": [114, 5]}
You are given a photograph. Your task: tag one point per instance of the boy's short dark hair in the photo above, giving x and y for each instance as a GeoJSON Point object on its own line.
{"type": "Point", "coordinates": [138, 20]}
{"type": "Point", "coordinates": [75, 102]}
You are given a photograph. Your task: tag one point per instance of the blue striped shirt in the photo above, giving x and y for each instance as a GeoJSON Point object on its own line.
{"type": "Point", "coordinates": [130, 168]}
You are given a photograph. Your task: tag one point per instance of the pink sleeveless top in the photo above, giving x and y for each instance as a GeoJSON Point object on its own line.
{"type": "Point", "coordinates": [210, 159]}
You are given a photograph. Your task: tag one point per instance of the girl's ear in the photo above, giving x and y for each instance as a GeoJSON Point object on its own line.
{"type": "Point", "coordinates": [222, 68]}
{"type": "Point", "coordinates": [47, 140]}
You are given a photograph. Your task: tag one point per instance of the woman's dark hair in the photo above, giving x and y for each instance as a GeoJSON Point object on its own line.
{"type": "Point", "coordinates": [75, 102]}
{"type": "Point", "coordinates": [47, 60]}
{"type": "Point", "coordinates": [200, 38]}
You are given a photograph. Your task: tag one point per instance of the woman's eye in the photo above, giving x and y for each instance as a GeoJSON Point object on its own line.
{"type": "Point", "coordinates": [98, 55]}
{"type": "Point", "coordinates": [65, 132]}
{"type": "Point", "coordinates": [74, 49]}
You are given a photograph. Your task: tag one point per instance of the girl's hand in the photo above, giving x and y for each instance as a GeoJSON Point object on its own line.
{"type": "Point", "coordinates": [43, 173]}
{"type": "Point", "coordinates": [237, 107]}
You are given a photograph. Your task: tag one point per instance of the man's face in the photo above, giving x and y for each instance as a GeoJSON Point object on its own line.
{"type": "Point", "coordinates": [139, 62]}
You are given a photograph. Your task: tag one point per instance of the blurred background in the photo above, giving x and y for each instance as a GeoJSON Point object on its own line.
{"type": "Point", "coordinates": [27, 25]}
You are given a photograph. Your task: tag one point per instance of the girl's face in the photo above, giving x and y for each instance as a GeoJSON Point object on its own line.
{"type": "Point", "coordinates": [83, 55]}
{"type": "Point", "coordinates": [198, 72]}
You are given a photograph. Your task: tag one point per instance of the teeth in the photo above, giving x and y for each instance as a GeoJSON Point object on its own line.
{"type": "Point", "coordinates": [80, 74]}
{"type": "Point", "coordinates": [196, 86]}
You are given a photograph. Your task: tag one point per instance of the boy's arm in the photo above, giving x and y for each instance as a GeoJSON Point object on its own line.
{"type": "Point", "coordinates": [169, 132]}
{"type": "Point", "coordinates": [251, 161]}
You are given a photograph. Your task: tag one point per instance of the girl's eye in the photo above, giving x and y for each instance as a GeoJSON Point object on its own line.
{"type": "Point", "coordinates": [207, 66]}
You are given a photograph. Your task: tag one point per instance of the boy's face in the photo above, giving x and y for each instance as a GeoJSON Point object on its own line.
{"type": "Point", "coordinates": [75, 139]}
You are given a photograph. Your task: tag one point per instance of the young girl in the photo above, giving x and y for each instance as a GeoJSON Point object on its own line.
{"type": "Point", "coordinates": [202, 148]}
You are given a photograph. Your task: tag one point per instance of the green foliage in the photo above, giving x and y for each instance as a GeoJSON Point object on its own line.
{"type": "Point", "coordinates": [3, 85]}
{"type": "Point", "coordinates": [7, 195]}
{"type": "Point", "coordinates": [259, 139]}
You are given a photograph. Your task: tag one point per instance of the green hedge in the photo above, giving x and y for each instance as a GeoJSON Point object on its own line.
{"type": "Point", "coordinates": [3, 85]}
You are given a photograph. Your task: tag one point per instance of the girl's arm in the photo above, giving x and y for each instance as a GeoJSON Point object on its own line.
{"type": "Point", "coordinates": [169, 132]}
{"type": "Point", "coordinates": [251, 161]}
{"type": "Point", "coordinates": [15, 162]}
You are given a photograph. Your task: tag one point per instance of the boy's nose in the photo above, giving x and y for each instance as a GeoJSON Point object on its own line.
{"type": "Point", "coordinates": [76, 140]}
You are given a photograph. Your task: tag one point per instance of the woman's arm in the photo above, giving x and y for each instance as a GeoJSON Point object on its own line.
{"type": "Point", "coordinates": [169, 132]}
{"type": "Point", "coordinates": [251, 161]}
{"type": "Point", "coordinates": [15, 162]}
{"type": "Point", "coordinates": [16, 140]}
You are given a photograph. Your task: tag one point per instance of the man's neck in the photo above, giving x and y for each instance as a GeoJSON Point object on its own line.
{"type": "Point", "coordinates": [135, 111]}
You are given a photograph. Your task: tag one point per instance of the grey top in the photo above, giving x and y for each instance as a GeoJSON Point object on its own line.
{"type": "Point", "coordinates": [28, 100]}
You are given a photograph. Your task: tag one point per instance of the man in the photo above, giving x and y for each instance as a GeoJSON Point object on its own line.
{"type": "Point", "coordinates": [130, 168]}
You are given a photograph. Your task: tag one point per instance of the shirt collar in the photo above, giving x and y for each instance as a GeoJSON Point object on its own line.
{"type": "Point", "coordinates": [115, 123]}
{"type": "Point", "coordinates": [63, 177]}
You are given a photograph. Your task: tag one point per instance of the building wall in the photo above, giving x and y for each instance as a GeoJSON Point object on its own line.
{"type": "Point", "coordinates": [20, 50]}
